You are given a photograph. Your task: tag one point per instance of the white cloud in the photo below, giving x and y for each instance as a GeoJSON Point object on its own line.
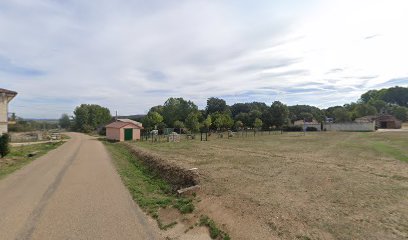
{"type": "Point", "coordinates": [131, 55]}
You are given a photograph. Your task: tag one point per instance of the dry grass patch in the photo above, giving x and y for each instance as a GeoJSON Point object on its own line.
{"type": "Point", "coordinates": [320, 186]}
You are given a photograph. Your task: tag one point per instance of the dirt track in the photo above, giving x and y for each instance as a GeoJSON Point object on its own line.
{"type": "Point", "coordinates": [71, 193]}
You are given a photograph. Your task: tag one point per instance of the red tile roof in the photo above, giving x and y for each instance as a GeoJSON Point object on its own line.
{"type": "Point", "coordinates": [122, 124]}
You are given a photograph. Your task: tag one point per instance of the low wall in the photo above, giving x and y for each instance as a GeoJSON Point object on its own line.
{"type": "Point", "coordinates": [351, 126]}
{"type": "Point", "coordinates": [177, 176]}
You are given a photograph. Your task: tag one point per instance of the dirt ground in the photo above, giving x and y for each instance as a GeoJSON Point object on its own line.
{"type": "Point", "coordinates": [319, 186]}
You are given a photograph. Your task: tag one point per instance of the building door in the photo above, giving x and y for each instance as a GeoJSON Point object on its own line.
{"type": "Point", "coordinates": [383, 124]}
{"type": "Point", "coordinates": [128, 134]}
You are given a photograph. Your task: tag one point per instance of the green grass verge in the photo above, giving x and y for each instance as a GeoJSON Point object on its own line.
{"type": "Point", "coordinates": [386, 149]}
{"type": "Point", "coordinates": [18, 156]}
{"type": "Point", "coordinates": [147, 189]}
{"type": "Point", "coordinates": [151, 192]}
{"type": "Point", "coordinates": [215, 232]}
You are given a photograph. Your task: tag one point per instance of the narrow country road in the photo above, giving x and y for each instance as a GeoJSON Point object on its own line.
{"type": "Point", "coordinates": [73, 192]}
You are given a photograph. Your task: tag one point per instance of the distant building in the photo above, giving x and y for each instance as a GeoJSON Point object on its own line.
{"type": "Point", "coordinates": [5, 97]}
{"type": "Point", "coordinates": [123, 130]}
{"type": "Point", "coordinates": [381, 121]}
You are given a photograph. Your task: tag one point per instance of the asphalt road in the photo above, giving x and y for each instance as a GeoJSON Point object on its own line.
{"type": "Point", "coordinates": [73, 192]}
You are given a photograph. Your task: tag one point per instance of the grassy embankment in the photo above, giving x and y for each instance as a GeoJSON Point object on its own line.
{"type": "Point", "coordinates": [19, 156]}
{"type": "Point", "coordinates": [150, 191]}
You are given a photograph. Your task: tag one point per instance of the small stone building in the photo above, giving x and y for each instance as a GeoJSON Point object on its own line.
{"type": "Point", "coordinates": [5, 97]}
{"type": "Point", "coordinates": [123, 130]}
{"type": "Point", "coordinates": [381, 121]}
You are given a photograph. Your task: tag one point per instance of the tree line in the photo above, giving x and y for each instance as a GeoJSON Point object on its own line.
{"type": "Point", "coordinates": [184, 115]}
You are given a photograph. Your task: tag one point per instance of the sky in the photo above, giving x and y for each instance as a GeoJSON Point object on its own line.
{"type": "Point", "coordinates": [129, 55]}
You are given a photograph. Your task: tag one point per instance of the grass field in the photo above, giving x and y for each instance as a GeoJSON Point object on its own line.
{"type": "Point", "coordinates": [319, 186]}
{"type": "Point", "coordinates": [18, 156]}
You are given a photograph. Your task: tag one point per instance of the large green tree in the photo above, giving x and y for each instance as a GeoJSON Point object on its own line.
{"type": "Point", "coordinates": [300, 112]}
{"type": "Point", "coordinates": [192, 122]}
{"type": "Point", "coordinates": [152, 120]}
{"type": "Point", "coordinates": [87, 117]}
{"type": "Point", "coordinates": [341, 115]}
{"type": "Point", "coordinates": [397, 95]}
{"type": "Point", "coordinates": [401, 113]}
{"type": "Point", "coordinates": [394, 95]}
{"type": "Point", "coordinates": [64, 121]}
{"type": "Point", "coordinates": [362, 110]}
{"type": "Point", "coordinates": [278, 114]}
{"type": "Point", "coordinates": [257, 123]}
{"type": "Point", "coordinates": [177, 109]}
{"type": "Point", "coordinates": [216, 105]}
{"type": "Point", "coordinates": [222, 121]}
{"type": "Point", "coordinates": [206, 124]}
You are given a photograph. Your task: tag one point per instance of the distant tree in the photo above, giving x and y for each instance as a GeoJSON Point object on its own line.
{"type": "Point", "coordinates": [152, 120]}
{"type": "Point", "coordinates": [279, 114]}
{"type": "Point", "coordinates": [4, 145]}
{"type": "Point", "coordinates": [341, 115]}
{"type": "Point", "coordinates": [177, 109]}
{"type": "Point", "coordinates": [87, 117]}
{"type": "Point", "coordinates": [158, 109]}
{"type": "Point", "coordinates": [206, 124]}
{"type": "Point", "coordinates": [244, 118]}
{"type": "Point", "coordinates": [306, 116]}
{"type": "Point", "coordinates": [300, 112]}
{"type": "Point", "coordinates": [64, 121]}
{"type": "Point", "coordinates": [329, 112]}
{"type": "Point", "coordinates": [253, 115]}
{"type": "Point", "coordinates": [238, 108]}
{"type": "Point", "coordinates": [397, 95]}
{"type": "Point", "coordinates": [401, 113]}
{"type": "Point", "coordinates": [216, 105]}
{"type": "Point", "coordinates": [362, 110]}
{"type": "Point", "coordinates": [192, 122]}
{"type": "Point", "coordinates": [222, 121]}
{"type": "Point", "coordinates": [179, 125]}
{"type": "Point", "coordinates": [394, 95]}
{"type": "Point", "coordinates": [238, 125]}
{"type": "Point", "coordinates": [257, 123]}
{"type": "Point", "coordinates": [370, 96]}
{"type": "Point", "coordinates": [379, 105]}
{"type": "Point", "coordinates": [13, 117]}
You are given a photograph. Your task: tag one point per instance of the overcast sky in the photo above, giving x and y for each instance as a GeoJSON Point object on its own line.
{"type": "Point", "coordinates": [131, 55]}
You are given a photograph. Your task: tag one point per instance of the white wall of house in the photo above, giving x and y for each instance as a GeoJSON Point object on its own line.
{"type": "Point", "coordinates": [3, 113]}
{"type": "Point", "coordinates": [5, 98]}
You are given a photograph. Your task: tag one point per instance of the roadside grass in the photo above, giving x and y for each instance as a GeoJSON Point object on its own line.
{"type": "Point", "coordinates": [215, 232]}
{"type": "Point", "coordinates": [19, 156]}
{"type": "Point", "coordinates": [387, 149]}
{"type": "Point", "coordinates": [147, 189]}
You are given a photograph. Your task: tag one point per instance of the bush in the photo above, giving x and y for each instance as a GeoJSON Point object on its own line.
{"type": "Point", "coordinates": [184, 205]}
{"type": "Point", "coordinates": [4, 145]}
{"type": "Point", "coordinates": [102, 131]}
{"type": "Point", "coordinates": [311, 129]}
{"type": "Point", "coordinates": [292, 128]}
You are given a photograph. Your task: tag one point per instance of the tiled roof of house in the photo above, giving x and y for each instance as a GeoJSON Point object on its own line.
{"type": "Point", "coordinates": [122, 124]}
{"type": "Point", "coordinates": [130, 121]}
{"type": "Point", "coordinates": [9, 92]}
